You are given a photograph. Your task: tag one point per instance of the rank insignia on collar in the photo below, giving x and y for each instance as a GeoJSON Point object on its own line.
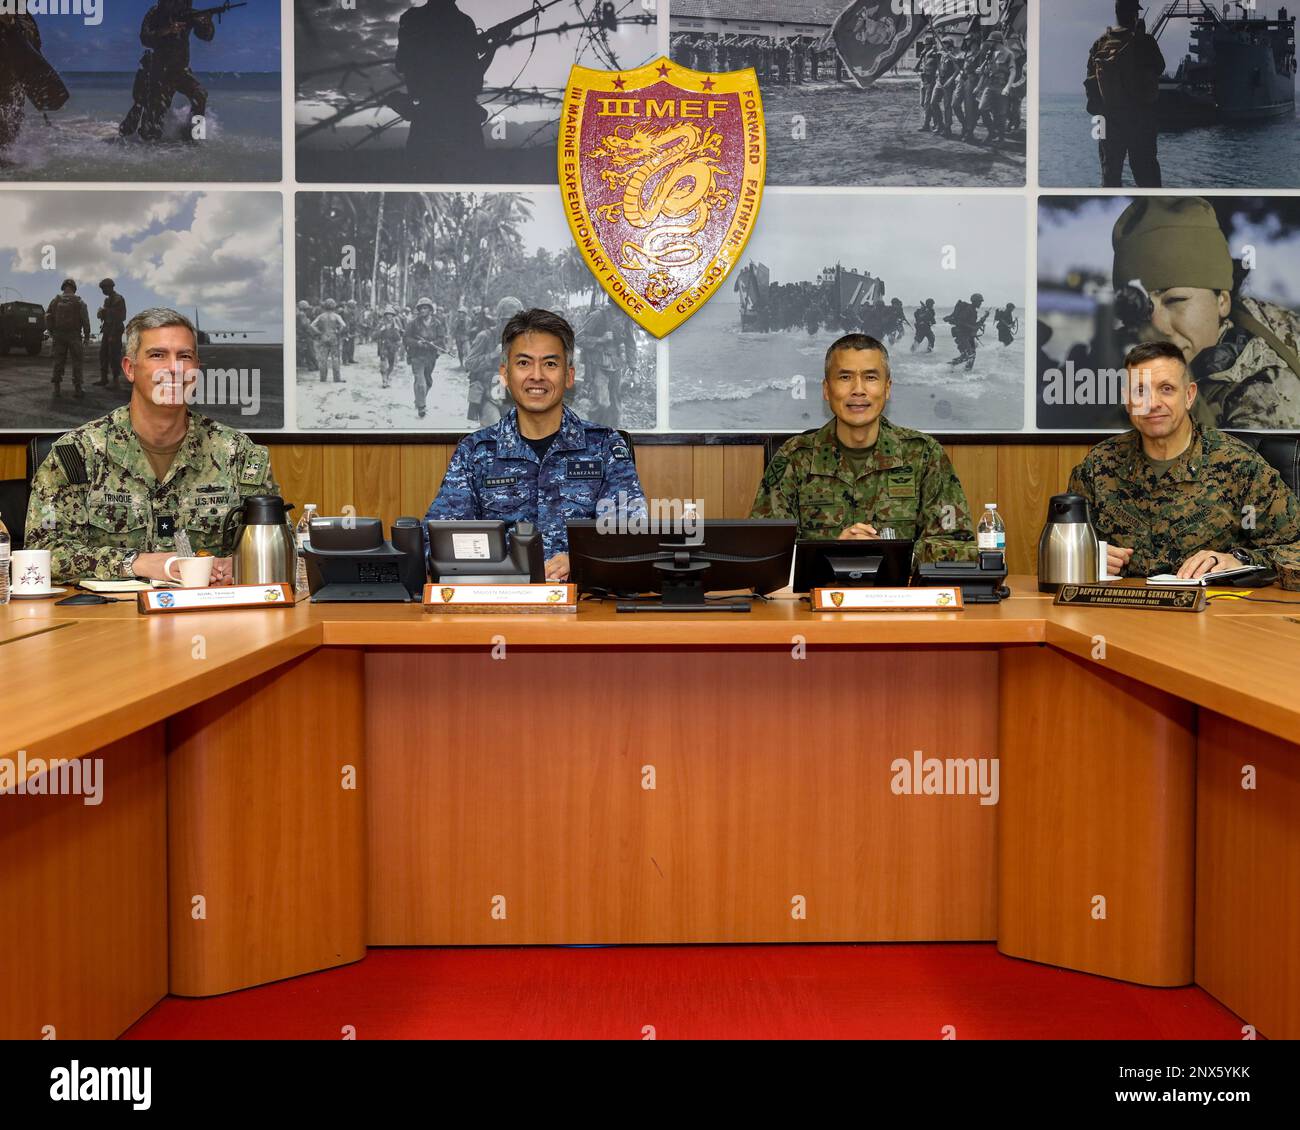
{"type": "Point", "coordinates": [661, 175]}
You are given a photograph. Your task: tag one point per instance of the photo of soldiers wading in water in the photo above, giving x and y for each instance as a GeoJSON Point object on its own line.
{"type": "Point", "coordinates": [408, 335]}
{"type": "Point", "coordinates": [1170, 274]}
{"type": "Point", "coordinates": [97, 91]}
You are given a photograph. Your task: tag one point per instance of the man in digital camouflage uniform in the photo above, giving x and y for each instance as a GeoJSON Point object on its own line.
{"type": "Point", "coordinates": [1171, 253]}
{"type": "Point", "coordinates": [109, 498]}
{"type": "Point", "coordinates": [859, 474]}
{"type": "Point", "coordinates": [540, 462]}
{"type": "Point", "coordinates": [1175, 496]}
{"type": "Point", "coordinates": [69, 324]}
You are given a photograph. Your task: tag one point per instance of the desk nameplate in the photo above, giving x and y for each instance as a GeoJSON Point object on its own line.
{"type": "Point", "coordinates": [215, 599]}
{"type": "Point", "coordinates": [501, 598]}
{"type": "Point", "coordinates": [887, 600]}
{"type": "Point", "coordinates": [1189, 599]}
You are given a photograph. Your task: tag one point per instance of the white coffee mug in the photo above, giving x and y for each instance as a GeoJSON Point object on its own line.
{"type": "Point", "coordinates": [29, 571]}
{"type": "Point", "coordinates": [195, 572]}
{"type": "Point", "coordinates": [1102, 572]}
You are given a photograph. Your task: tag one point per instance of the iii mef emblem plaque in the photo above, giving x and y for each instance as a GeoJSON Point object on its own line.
{"type": "Point", "coordinates": [661, 175]}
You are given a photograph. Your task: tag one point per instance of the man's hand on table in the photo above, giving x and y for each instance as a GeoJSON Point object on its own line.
{"type": "Point", "coordinates": [859, 531]}
{"type": "Point", "coordinates": [557, 568]}
{"type": "Point", "coordinates": [1207, 561]}
{"type": "Point", "coordinates": [149, 567]}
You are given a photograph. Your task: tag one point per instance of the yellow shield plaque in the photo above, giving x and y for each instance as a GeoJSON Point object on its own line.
{"type": "Point", "coordinates": [661, 175]}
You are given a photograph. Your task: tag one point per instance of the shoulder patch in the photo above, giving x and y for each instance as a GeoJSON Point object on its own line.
{"type": "Point", "coordinates": [254, 468]}
{"type": "Point", "coordinates": [72, 462]}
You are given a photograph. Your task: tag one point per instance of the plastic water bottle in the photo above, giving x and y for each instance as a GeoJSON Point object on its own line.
{"type": "Point", "coordinates": [4, 563]}
{"type": "Point", "coordinates": [302, 537]}
{"type": "Point", "coordinates": [992, 531]}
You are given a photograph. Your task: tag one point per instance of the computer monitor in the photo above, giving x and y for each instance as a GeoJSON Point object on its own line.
{"type": "Point", "coordinates": [485, 553]}
{"type": "Point", "coordinates": [832, 563]}
{"type": "Point", "coordinates": [683, 566]}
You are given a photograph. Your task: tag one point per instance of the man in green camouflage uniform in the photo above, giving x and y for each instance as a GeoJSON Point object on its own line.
{"type": "Point", "coordinates": [1244, 353]}
{"type": "Point", "coordinates": [860, 474]}
{"type": "Point", "coordinates": [1175, 496]}
{"type": "Point", "coordinates": [109, 498]}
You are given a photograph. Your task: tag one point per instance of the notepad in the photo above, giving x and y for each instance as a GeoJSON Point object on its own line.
{"type": "Point", "coordinates": [93, 585]}
{"type": "Point", "coordinates": [1207, 579]}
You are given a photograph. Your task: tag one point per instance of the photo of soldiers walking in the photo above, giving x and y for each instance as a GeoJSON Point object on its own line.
{"type": "Point", "coordinates": [924, 318]}
{"type": "Point", "coordinates": [69, 325]}
{"type": "Point", "coordinates": [112, 324]}
{"type": "Point", "coordinates": [608, 351]}
{"type": "Point", "coordinates": [164, 69]}
{"type": "Point", "coordinates": [388, 343]}
{"type": "Point", "coordinates": [425, 339]}
{"type": "Point", "coordinates": [1008, 325]}
{"type": "Point", "coordinates": [967, 327]}
{"type": "Point", "coordinates": [874, 75]}
{"type": "Point", "coordinates": [306, 355]}
{"type": "Point", "coordinates": [469, 261]}
{"type": "Point", "coordinates": [327, 331]}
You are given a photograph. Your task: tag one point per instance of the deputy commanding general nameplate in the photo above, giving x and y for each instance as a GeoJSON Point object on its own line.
{"type": "Point", "coordinates": [661, 175]}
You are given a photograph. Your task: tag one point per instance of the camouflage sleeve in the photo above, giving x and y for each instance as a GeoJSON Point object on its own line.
{"type": "Point", "coordinates": [1253, 405]}
{"type": "Point", "coordinates": [944, 528]}
{"type": "Point", "coordinates": [1081, 483]}
{"type": "Point", "coordinates": [457, 499]}
{"type": "Point", "coordinates": [777, 497]}
{"type": "Point", "coordinates": [1270, 519]}
{"type": "Point", "coordinates": [621, 486]}
{"type": "Point", "coordinates": [57, 521]}
{"type": "Point", "coordinates": [85, 318]}
{"type": "Point", "coordinates": [255, 475]}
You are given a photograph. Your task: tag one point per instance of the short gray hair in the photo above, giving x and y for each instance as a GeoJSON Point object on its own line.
{"type": "Point", "coordinates": [156, 318]}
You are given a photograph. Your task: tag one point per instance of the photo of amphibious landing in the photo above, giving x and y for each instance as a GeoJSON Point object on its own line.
{"type": "Point", "coordinates": [874, 92]}
{"type": "Point", "coordinates": [1191, 94]}
{"type": "Point", "coordinates": [140, 90]}
{"type": "Point", "coordinates": [449, 91]}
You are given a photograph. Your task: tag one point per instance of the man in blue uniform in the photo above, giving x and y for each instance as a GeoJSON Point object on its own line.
{"type": "Point", "coordinates": [540, 462]}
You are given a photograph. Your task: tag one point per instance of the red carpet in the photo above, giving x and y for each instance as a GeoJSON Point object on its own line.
{"type": "Point", "coordinates": [701, 992]}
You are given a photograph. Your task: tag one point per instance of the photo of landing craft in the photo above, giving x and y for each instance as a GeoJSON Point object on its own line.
{"type": "Point", "coordinates": [1240, 66]}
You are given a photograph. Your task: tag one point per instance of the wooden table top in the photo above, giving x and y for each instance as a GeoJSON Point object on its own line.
{"type": "Point", "coordinates": [74, 678]}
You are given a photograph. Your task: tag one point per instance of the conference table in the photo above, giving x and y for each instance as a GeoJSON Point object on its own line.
{"type": "Point", "coordinates": [1108, 790]}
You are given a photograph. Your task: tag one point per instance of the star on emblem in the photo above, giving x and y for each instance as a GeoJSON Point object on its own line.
{"type": "Point", "coordinates": [663, 70]}
{"type": "Point", "coordinates": [620, 82]}
{"type": "Point", "coordinates": [708, 84]}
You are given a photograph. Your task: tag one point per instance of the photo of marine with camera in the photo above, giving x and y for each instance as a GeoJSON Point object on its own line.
{"type": "Point", "coordinates": [1211, 275]}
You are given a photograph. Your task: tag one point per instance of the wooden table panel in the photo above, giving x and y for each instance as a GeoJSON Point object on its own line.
{"type": "Point", "coordinates": [522, 777]}
{"type": "Point", "coordinates": [262, 828]}
{"type": "Point", "coordinates": [1248, 874]}
{"type": "Point", "coordinates": [83, 900]}
{"type": "Point", "coordinates": [1097, 800]}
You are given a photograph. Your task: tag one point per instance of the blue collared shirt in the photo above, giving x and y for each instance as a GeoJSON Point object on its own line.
{"type": "Point", "coordinates": [495, 474]}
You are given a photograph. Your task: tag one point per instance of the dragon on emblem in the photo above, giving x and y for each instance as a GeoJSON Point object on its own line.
{"type": "Point", "coordinates": [685, 159]}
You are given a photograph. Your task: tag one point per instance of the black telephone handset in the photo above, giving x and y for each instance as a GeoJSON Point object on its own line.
{"type": "Point", "coordinates": [407, 537]}
{"type": "Point", "coordinates": [526, 551]}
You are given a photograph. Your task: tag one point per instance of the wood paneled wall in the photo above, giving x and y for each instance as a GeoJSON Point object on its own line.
{"type": "Point", "coordinates": [390, 480]}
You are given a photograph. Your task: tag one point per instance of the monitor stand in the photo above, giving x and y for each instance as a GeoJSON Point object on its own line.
{"type": "Point", "coordinates": [684, 592]}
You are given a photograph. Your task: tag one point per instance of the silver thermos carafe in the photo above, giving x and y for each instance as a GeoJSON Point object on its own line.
{"type": "Point", "coordinates": [263, 550]}
{"type": "Point", "coordinates": [1067, 549]}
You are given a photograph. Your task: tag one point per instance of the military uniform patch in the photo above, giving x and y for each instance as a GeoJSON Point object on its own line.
{"type": "Point", "coordinates": [902, 483]}
{"type": "Point", "coordinates": [500, 480]}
